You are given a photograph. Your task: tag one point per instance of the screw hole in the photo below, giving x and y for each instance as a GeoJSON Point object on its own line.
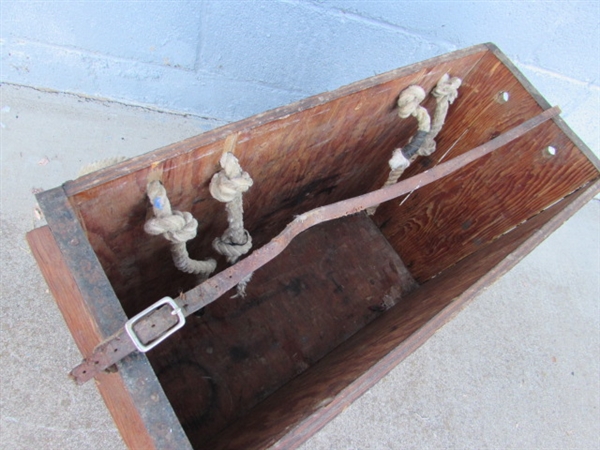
{"type": "Point", "coordinates": [550, 150]}
{"type": "Point", "coordinates": [503, 97]}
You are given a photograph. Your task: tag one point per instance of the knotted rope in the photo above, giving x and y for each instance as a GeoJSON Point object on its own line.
{"type": "Point", "coordinates": [227, 186]}
{"type": "Point", "coordinates": [423, 143]}
{"type": "Point", "coordinates": [445, 93]}
{"type": "Point", "coordinates": [177, 227]}
{"type": "Point", "coordinates": [409, 104]}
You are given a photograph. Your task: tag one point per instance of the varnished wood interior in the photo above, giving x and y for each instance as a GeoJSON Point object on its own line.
{"type": "Point", "coordinates": [329, 283]}
{"type": "Point", "coordinates": [327, 151]}
{"type": "Point", "coordinates": [308, 402]}
{"type": "Point", "coordinates": [445, 222]}
{"type": "Point", "coordinates": [327, 148]}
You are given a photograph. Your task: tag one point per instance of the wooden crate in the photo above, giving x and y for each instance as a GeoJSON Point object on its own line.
{"type": "Point", "coordinates": [347, 300]}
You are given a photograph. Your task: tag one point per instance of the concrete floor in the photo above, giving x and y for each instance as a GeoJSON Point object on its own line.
{"type": "Point", "coordinates": [518, 368]}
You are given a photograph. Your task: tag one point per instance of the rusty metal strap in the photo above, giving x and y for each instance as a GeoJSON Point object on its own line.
{"type": "Point", "coordinates": [158, 322]}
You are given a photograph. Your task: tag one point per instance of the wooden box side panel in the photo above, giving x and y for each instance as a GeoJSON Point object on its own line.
{"type": "Point", "coordinates": [439, 224]}
{"type": "Point", "coordinates": [317, 152]}
{"type": "Point", "coordinates": [92, 312]}
{"type": "Point", "coordinates": [307, 403]}
{"type": "Point", "coordinates": [86, 335]}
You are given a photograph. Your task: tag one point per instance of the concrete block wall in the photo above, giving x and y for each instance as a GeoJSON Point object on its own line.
{"type": "Point", "coordinates": [231, 59]}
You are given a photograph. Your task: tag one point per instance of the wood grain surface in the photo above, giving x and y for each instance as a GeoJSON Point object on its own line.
{"type": "Point", "coordinates": [333, 280]}
{"type": "Point", "coordinates": [299, 409]}
{"type": "Point", "coordinates": [86, 335]}
{"type": "Point", "coordinates": [444, 222]}
{"type": "Point", "coordinates": [313, 154]}
{"type": "Point", "coordinates": [92, 312]}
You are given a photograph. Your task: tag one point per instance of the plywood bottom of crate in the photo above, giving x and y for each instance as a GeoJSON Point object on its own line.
{"type": "Point", "coordinates": [329, 283]}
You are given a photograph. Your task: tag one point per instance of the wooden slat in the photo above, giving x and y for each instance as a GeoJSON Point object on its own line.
{"type": "Point", "coordinates": [576, 140]}
{"type": "Point", "coordinates": [81, 261]}
{"type": "Point", "coordinates": [92, 312]}
{"type": "Point", "coordinates": [86, 335]}
{"type": "Point", "coordinates": [270, 119]}
{"type": "Point", "coordinates": [299, 409]}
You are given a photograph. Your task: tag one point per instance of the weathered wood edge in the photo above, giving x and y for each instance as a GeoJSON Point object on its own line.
{"type": "Point", "coordinates": [539, 98]}
{"type": "Point", "coordinates": [304, 430]}
{"type": "Point", "coordinates": [81, 260]}
{"type": "Point", "coordinates": [106, 312]}
{"type": "Point", "coordinates": [85, 333]}
{"type": "Point", "coordinates": [131, 165]}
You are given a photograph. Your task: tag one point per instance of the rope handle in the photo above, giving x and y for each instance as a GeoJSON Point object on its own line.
{"type": "Point", "coordinates": [178, 228]}
{"type": "Point", "coordinates": [423, 143]}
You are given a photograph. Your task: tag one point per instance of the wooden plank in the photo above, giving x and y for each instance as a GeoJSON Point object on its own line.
{"type": "Point", "coordinates": [463, 57]}
{"type": "Point", "coordinates": [443, 223]}
{"type": "Point", "coordinates": [324, 149]}
{"type": "Point", "coordinates": [307, 403]}
{"type": "Point", "coordinates": [81, 261]}
{"type": "Point", "coordinates": [329, 283]}
{"type": "Point", "coordinates": [92, 312]}
{"type": "Point", "coordinates": [86, 335]}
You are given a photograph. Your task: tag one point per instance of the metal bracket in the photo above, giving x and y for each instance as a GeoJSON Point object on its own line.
{"type": "Point", "coordinates": [131, 322]}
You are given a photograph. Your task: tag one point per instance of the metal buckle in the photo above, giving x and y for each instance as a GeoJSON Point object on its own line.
{"type": "Point", "coordinates": [131, 322]}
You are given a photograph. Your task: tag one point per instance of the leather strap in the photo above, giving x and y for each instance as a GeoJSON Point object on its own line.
{"type": "Point", "coordinates": [159, 321]}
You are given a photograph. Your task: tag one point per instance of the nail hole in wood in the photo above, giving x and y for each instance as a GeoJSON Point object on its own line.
{"type": "Point", "coordinates": [503, 97]}
{"type": "Point", "coordinates": [550, 151]}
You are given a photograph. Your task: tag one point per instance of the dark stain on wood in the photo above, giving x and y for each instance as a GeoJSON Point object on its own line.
{"type": "Point", "coordinates": [299, 307]}
{"type": "Point", "coordinates": [186, 382]}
